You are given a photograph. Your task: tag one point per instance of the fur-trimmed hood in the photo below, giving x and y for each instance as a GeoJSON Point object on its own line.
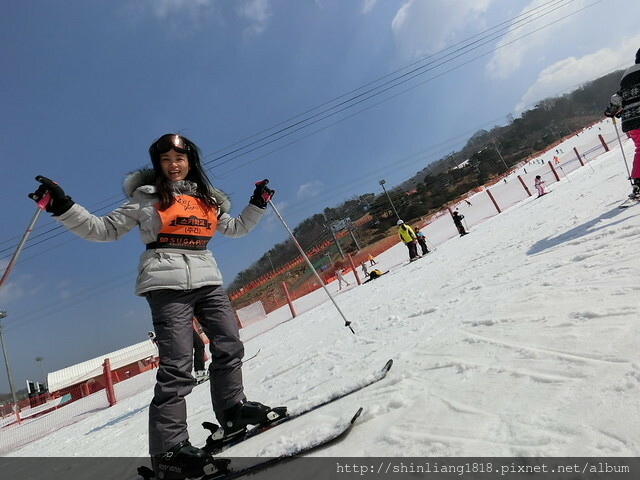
{"type": "Point", "coordinates": [141, 183]}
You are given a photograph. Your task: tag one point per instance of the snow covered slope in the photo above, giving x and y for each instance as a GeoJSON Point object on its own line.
{"type": "Point", "coordinates": [519, 339]}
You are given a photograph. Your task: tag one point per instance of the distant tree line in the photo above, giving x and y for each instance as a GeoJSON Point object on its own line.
{"type": "Point", "coordinates": [485, 155]}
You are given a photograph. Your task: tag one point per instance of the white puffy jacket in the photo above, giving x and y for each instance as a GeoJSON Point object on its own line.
{"type": "Point", "coordinates": [174, 269]}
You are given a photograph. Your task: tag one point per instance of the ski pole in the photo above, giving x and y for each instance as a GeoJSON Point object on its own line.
{"type": "Point", "coordinates": [41, 205]}
{"type": "Point", "coordinates": [624, 157]}
{"type": "Point", "coordinates": [565, 175]}
{"type": "Point", "coordinates": [347, 323]}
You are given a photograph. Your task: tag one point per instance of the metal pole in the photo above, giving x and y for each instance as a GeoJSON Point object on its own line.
{"type": "Point", "coordinates": [335, 239]}
{"type": "Point", "coordinates": [500, 155]}
{"type": "Point", "coordinates": [44, 379]}
{"type": "Point", "coordinates": [353, 237]}
{"type": "Point", "coordinates": [624, 157]}
{"type": "Point", "coordinates": [5, 275]}
{"type": "Point", "coordinates": [6, 364]}
{"type": "Point", "coordinates": [20, 245]}
{"type": "Point", "coordinates": [328, 255]}
{"type": "Point", "coordinates": [382, 182]}
{"type": "Point", "coordinates": [347, 323]}
{"type": "Point", "coordinates": [269, 257]}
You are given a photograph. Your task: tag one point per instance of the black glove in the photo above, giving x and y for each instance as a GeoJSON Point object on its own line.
{"type": "Point", "coordinates": [613, 110]}
{"type": "Point", "coordinates": [262, 194]}
{"type": "Point", "coordinates": [59, 202]}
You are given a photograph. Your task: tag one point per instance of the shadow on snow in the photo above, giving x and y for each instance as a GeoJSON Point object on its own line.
{"type": "Point", "coordinates": [576, 232]}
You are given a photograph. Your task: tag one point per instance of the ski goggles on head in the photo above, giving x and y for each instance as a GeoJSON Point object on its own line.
{"type": "Point", "coordinates": [169, 142]}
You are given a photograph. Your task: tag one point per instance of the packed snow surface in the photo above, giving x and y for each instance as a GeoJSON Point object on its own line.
{"type": "Point", "coordinates": [519, 339]}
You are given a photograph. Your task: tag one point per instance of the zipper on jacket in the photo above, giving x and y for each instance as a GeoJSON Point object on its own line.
{"type": "Point", "coordinates": [188, 269]}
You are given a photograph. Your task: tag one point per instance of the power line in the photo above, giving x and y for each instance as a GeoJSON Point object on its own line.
{"type": "Point", "coordinates": [355, 97]}
{"type": "Point", "coordinates": [525, 17]}
{"type": "Point", "coordinates": [350, 184]}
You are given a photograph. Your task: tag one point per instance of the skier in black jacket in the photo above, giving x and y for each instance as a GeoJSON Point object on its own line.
{"type": "Point", "coordinates": [457, 219]}
{"type": "Point", "coordinates": [626, 104]}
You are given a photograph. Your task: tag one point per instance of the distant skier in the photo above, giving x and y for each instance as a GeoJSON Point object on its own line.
{"type": "Point", "coordinates": [422, 241]}
{"type": "Point", "coordinates": [364, 269]}
{"type": "Point", "coordinates": [408, 237]}
{"type": "Point", "coordinates": [341, 279]}
{"type": "Point", "coordinates": [372, 261]}
{"type": "Point", "coordinates": [457, 219]}
{"type": "Point", "coordinates": [539, 184]}
{"type": "Point", "coordinates": [626, 104]}
{"type": "Point", "coordinates": [375, 273]}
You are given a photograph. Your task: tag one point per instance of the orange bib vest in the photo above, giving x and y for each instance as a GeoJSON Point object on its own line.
{"type": "Point", "coordinates": [187, 224]}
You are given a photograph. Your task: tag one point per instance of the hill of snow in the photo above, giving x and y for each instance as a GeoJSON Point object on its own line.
{"type": "Point", "coordinates": [519, 339]}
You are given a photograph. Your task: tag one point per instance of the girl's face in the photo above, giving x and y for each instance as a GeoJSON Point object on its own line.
{"type": "Point", "coordinates": [175, 166]}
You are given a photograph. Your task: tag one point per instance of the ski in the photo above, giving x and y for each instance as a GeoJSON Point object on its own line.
{"type": "Point", "coordinates": [214, 447]}
{"type": "Point", "coordinates": [224, 469]}
{"type": "Point", "coordinates": [629, 202]}
{"type": "Point", "coordinates": [340, 431]}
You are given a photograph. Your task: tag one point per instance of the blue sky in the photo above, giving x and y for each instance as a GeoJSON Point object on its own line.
{"type": "Point", "coordinates": [87, 86]}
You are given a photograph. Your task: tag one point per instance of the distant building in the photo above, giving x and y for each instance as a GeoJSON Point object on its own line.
{"type": "Point", "coordinates": [87, 377]}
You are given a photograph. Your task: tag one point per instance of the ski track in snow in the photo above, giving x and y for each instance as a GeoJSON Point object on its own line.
{"type": "Point", "coordinates": [520, 339]}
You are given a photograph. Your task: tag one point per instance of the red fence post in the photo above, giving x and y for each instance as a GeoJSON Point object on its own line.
{"type": "Point", "coordinates": [286, 294]}
{"type": "Point", "coordinates": [604, 144]}
{"type": "Point", "coordinates": [353, 267]}
{"type": "Point", "coordinates": [577, 155]}
{"type": "Point", "coordinates": [556, 173]}
{"type": "Point", "coordinates": [108, 382]}
{"type": "Point", "coordinates": [495, 204]}
{"type": "Point", "coordinates": [524, 185]}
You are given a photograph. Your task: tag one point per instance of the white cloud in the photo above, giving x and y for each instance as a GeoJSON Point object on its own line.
{"type": "Point", "coordinates": [571, 72]}
{"type": "Point", "coordinates": [195, 12]}
{"type": "Point", "coordinates": [164, 8]}
{"type": "Point", "coordinates": [270, 222]}
{"type": "Point", "coordinates": [11, 291]}
{"type": "Point", "coordinates": [17, 287]}
{"type": "Point", "coordinates": [421, 28]}
{"type": "Point", "coordinates": [512, 50]}
{"type": "Point", "coordinates": [309, 190]}
{"type": "Point", "coordinates": [258, 12]}
{"type": "Point", "coordinates": [367, 5]}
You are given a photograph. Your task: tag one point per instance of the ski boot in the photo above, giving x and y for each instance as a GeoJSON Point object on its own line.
{"type": "Point", "coordinates": [235, 421]}
{"type": "Point", "coordinates": [186, 461]}
{"type": "Point", "coordinates": [635, 193]}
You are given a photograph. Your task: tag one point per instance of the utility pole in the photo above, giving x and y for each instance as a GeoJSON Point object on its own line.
{"type": "Point", "coordinates": [272, 269]}
{"type": "Point", "coordinates": [335, 239]}
{"type": "Point", "coordinates": [350, 229]}
{"type": "Point", "coordinates": [495, 146]}
{"type": "Point", "coordinates": [3, 314]}
{"type": "Point", "coordinates": [329, 225]}
{"type": "Point", "coordinates": [382, 182]}
{"type": "Point", "coordinates": [328, 255]}
{"type": "Point", "coordinates": [44, 379]}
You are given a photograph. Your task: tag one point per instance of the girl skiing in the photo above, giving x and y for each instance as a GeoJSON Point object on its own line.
{"type": "Point", "coordinates": [539, 184]}
{"type": "Point", "coordinates": [177, 211]}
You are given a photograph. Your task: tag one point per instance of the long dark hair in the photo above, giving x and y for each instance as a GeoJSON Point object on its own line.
{"type": "Point", "coordinates": [196, 173]}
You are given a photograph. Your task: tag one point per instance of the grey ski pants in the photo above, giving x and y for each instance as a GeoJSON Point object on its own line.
{"type": "Point", "coordinates": [172, 312]}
